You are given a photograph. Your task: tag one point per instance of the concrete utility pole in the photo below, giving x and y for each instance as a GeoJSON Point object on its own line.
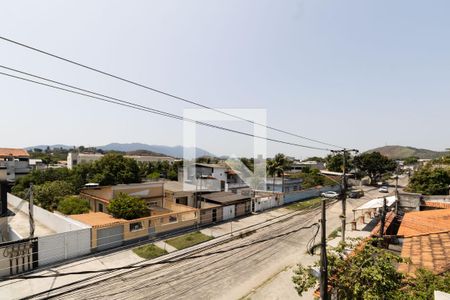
{"type": "Point", "coordinates": [31, 211]}
{"type": "Point", "coordinates": [344, 188]}
{"type": "Point", "coordinates": [323, 254]}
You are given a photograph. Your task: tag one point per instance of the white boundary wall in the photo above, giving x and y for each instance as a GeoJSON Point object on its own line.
{"type": "Point", "coordinates": [66, 245]}
{"type": "Point", "coordinates": [72, 239]}
{"type": "Point", "coordinates": [56, 222]}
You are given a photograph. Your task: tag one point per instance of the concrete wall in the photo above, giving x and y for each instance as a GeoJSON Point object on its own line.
{"type": "Point", "coordinates": [206, 215]}
{"type": "Point", "coordinates": [309, 193]}
{"type": "Point", "coordinates": [409, 201]}
{"type": "Point", "coordinates": [264, 203]}
{"type": "Point", "coordinates": [56, 222]}
{"type": "Point", "coordinates": [58, 247]}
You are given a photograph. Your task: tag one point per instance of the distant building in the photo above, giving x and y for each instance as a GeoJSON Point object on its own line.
{"type": "Point", "coordinates": [75, 158]}
{"type": "Point", "coordinates": [301, 165]}
{"type": "Point", "coordinates": [16, 161]}
{"type": "Point", "coordinates": [100, 196]}
{"type": "Point", "coordinates": [287, 185]}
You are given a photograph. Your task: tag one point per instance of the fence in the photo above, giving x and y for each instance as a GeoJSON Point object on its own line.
{"type": "Point", "coordinates": [113, 235]}
{"type": "Point", "coordinates": [62, 246]}
{"type": "Point", "coordinates": [72, 238]}
{"type": "Point", "coordinates": [18, 256]}
{"type": "Point", "coordinates": [309, 193]}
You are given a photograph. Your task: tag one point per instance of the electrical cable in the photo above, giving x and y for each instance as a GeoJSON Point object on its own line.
{"type": "Point", "coordinates": [152, 110]}
{"type": "Point", "coordinates": [161, 92]}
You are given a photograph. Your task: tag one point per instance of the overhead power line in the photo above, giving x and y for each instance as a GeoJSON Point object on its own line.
{"type": "Point", "coordinates": [162, 92]}
{"type": "Point", "coordinates": [101, 97]}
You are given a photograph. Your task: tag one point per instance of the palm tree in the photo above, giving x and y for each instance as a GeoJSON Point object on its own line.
{"type": "Point", "coordinates": [276, 167]}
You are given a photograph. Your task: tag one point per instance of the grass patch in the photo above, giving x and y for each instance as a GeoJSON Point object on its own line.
{"type": "Point", "coordinates": [149, 251]}
{"type": "Point", "coordinates": [311, 203]}
{"type": "Point", "coordinates": [188, 240]}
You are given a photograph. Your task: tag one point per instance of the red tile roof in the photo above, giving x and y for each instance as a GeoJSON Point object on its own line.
{"type": "Point", "coordinates": [390, 216]}
{"type": "Point", "coordinates": [425, 222]}
{"type": "Point", "coordinates": [14, 152]}
{"type": "Point", "coordinates": [437, 204]}
{"type": "Point", "coordinates": [430, 251]}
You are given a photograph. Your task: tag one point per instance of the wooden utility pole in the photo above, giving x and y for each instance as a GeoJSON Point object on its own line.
{"type": "Point", "coordinates": [323, 255]}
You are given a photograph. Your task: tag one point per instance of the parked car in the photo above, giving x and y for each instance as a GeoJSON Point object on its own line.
{"type": "Point", "coordinates": [330, 194]}
{"type": "Point", "coordinates": [383, 189]}
{"type": "Point", "coordinates": [356, 194]}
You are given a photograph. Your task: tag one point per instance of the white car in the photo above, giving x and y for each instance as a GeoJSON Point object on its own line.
{"type": "Point", "coordinates": [383, 189]}
{"type": "Point", "coordinates": [330, 194]}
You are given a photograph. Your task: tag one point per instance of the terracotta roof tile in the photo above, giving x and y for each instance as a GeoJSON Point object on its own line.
{"type": "Point", "coordinates": [430, 251]}
{"type": "Point", "coordinates": [97, 219]}
{"type": "Point", "coordinates": [14, 152]}
{"type": "Point", "coordinates": [390, 216]}
{"type": "Point", "coordinates": [424, 222]}
{"type": "Point", "coordinates": [437, 204]}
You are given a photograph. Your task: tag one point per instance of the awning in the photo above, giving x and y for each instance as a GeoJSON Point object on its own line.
{"type": "Point", "coordinates": [377, 203]}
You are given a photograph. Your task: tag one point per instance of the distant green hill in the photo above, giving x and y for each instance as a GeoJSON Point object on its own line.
{"type": "Point", "coordinates": [401, 152]}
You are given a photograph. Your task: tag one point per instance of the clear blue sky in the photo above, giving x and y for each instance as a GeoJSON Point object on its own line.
{"type": "Point", "coordinates": [357, 73]}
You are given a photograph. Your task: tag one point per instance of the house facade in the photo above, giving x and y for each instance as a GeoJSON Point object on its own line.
{"type": "Point", "coordinates": [16, 162]}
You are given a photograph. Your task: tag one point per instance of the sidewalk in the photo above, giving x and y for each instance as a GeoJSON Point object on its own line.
{"type": "Point", "coordinates": [20, 288]}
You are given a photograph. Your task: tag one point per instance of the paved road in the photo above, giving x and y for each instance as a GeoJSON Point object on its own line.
{"type": "Point", "coordinates": [228, 271]}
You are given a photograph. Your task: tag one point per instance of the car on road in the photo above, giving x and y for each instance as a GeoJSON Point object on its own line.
{"type": "Point", "coordinates": [383, 189]}
{"type": "Point", "coordinates": [330, 194]}
{"type": "Point", "coordinates": [356, 194]}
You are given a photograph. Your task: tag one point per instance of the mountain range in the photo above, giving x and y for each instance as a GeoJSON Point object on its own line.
{"type": "Point", "coordinates": [174, 151]}
{"type": "Point", "coordinates": [401, 152]}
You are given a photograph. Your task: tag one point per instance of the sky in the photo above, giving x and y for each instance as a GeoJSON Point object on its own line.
{"type": "Point", "coordinates": [358, 74]}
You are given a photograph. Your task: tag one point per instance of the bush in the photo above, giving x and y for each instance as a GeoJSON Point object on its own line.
{"type": "Point", "coordinates": [72, 205]}
{"type": "Point", "coordinates": [127, 207]}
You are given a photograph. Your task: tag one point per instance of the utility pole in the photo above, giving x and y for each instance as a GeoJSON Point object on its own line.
{"type": "Point", "coordinates": [323, 255]}
{"type": "Point", "coordinates": [344, 188]}
{"type": "Point", "coordinates": [31, 211]}
{"type": "Point", "coordinates": [383, 218]}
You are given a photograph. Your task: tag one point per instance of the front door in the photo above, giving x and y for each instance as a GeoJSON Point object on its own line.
{"type": "Point", "coordinates": [228, 212]}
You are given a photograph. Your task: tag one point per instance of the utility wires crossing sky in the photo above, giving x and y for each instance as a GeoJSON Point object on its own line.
{"type": "Point", "coordinates": [172, 96]}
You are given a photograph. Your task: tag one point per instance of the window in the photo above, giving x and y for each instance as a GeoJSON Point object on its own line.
{"type": "Point", "coordinates": [100, 207]}
{"type": "Point", "coordinates": [182, 200]}
{"type": "Point", "coordinates": [136, 226]}
{"type": "Point", "coordinates": [172, 219]}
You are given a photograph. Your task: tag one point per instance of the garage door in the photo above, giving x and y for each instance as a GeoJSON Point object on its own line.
{"type": "Point", "coordinates": [228, 212]}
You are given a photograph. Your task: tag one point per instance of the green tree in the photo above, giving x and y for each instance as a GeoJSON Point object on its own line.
{"type": "Point", "coordinates": [369, 273]}
{"type": "Point", "coordinates": [430, 181]}
{"type": "Point", "coordinates": [114, 169]}
{"type": "Point", "coordinates": [127, 207]}
{"type": "Point", "coordinates": [72, 205]}
{"type": "Point", "coordinates": [335, 163]}
{"type": "Point", "coordinates": [374, 165]}
{"type": "Point", "coordinates": [49, 194]}
{"type": "Point", "coordinates": [411, 160]}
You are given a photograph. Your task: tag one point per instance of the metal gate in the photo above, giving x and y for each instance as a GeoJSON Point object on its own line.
{"type": "Point", "coordinates": [229, 212]}
{"type": "Point", "coordinates": [109, 237]}
{"type": "Point", "coordinates": [19, 256]}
